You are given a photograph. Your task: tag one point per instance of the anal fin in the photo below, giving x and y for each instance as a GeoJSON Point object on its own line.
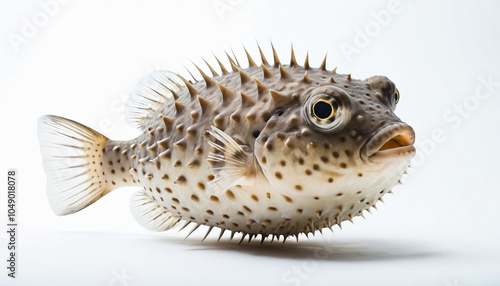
{"type": "Point", "coordinates": [150, 214]}
{"type": "Point", "coordinates": [231, 164]}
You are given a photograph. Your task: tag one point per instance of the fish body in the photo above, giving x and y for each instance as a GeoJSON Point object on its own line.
{"type": "Point", "coordinates": [272, 150]}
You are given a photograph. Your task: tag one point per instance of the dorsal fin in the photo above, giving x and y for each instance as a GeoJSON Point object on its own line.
{"type": "Point", "coordinates": [152, 92]}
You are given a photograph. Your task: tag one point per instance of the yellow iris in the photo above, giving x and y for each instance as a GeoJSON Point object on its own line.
{"type": "Point", "coordinates": [323, 110]}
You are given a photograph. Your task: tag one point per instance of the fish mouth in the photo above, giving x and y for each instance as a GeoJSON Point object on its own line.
{"type": "Point", "coordinates": [391, 142]}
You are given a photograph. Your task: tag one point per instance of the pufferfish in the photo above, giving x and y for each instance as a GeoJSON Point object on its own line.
{"type": "Point", "coordinates": [270, 150]}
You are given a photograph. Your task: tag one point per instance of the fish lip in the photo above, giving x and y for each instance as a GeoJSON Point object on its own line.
{"type": "Point", "coordinates": [400, 133]}
{"type": "Point", "coordinates": [401, 152]}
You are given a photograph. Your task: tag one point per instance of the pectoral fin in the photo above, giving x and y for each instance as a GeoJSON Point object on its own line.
{"type": "Point", "coordinates": [231, 163]}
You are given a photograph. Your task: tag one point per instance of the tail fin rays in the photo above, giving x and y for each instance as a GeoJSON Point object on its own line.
{"type": "Point", "coordinates": [72, 157]}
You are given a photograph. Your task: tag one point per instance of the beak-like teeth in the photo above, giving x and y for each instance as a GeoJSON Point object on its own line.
{"type": "Point", "coordinates": [397, 141]}
{"type": "Point", "coordinates": [391, 137]}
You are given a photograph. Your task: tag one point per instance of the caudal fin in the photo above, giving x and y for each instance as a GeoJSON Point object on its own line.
{"type": "Point", "coordinates": [72, 158]}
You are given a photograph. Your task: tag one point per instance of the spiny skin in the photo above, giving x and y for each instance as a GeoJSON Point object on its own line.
{"type": "Point", "coordinates": [304, 178]}
{"type": "Point", "coordinates": [175, 172]}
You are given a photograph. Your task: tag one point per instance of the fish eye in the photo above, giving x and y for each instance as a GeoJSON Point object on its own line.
{"type": "Point", "coordinates": [323, 113]}
{"type": "Point", "coordinates": [324, 110]}
{"type": "Point", "coordinates": [396, 96]}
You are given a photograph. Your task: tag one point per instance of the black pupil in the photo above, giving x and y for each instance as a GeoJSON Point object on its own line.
{"type": "Point", "coordinates": [322, 110]}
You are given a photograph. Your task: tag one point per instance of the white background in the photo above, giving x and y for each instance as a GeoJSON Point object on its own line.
{"type": "Point", "coordinates": [81, 59]}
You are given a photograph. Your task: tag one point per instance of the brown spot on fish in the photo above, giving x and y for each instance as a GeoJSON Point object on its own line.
{"type": "Point", "coordinates": [194, 164]}
{"type": "Point", "coordinates": [269, 146]}
{"type": "Point", "coordinates": [181, 180]}
{"type": "Point", "coordinates": [278, 175]}
{"type": "Point", "coordinates": [251, 117]}
{"type": "Point", "coordinates": [230, 195]}
{"type": "Point", "coordinates": [301, 161]}
{"type": "Point", "coordinates": [198, 151]}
